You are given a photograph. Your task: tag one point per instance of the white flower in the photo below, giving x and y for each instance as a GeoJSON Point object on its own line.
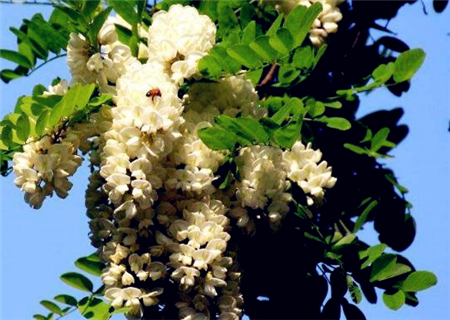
{"type": "Point", "coordinates": [325, 23]}
{"type": "Point", "coordinates": [301, 166]}
{"type": "Point", "coordinates": [149, 299]}
{"type": "Point", "coordinates": [128, 295]}
{"type": "Point", "coordinates": [178, 38]}
{"type": "Point", "coordinates": [59, 89]}
{"type": "Point", "coordinates": [186, 275]}
{"type": "Point", "coordinates": [230, 96]}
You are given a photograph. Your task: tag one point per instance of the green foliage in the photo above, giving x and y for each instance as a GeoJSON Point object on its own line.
{"type": "Point", "coordinates": [418, 281]}
{"type": "Point", "coordinates": [36, 38]}
{"type": "Point", "coordinates": [78, 281]}
{"type": "Point", "coordinates": [90, 307]}
{"type": "Point", "coordinates": [394, 300]}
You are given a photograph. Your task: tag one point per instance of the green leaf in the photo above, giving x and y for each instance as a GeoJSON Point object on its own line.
{"type": "Point", "coordinates": [383, 72]}
{"type": "Point", "coordinates": [320, 53]}
{"type": "Point", "coordinates": [336, 122]}
{"type": "Point", "coordinates": [286, 136]}
{"type": "Point", "coordinates": [105, 98]}
{"type": "Point", "coordinates": [126, 10]}
{"type": "Point", "coordinates": [379, 139]}
{"type": "Point", "coordinates": [333, 104]}
{"type": "Point", "coordinates": [316, 108]}
{"type": "Point", "coordinates": [123, 33]}
{"type": "Point", "coordinates": [282, 41]}
{"type": "Point", "coordinates": [232, 39]}
{"type": "Point", "coordinates": [217, 138]}
{"type": "Point", "coordinates": [89, 266]}
{"type": "Point", "coordinates": [247, 14]}
{"type": "Point", "coordinates": [52, 307]}
{"type": "Point", "coordinates": [286, 75]}
{"type": "Point", "coordinates": [23, 127]}
{"type": "Point", "coordinates": [94, 257]}
{"type": "Point", "coordinates": [78, 97]}
{"type": "Point", "coordinates": [282, 114]}
{"type": "Point", "coordinates": [371, 254]}
{"type": "Point", "coordinates": [228, 22]}
{"type": "Point", "coordinates": [407, 64]}
{"type": "Point", "coordinates": [399, 269]}
{"type": "Point", "coordinates": [249, 33]}
{"type": "Point", "coordinates": [382, 267]}
{"type": "Point", "coordinates": [225, 61]}
{"type": "Point", "coordinates": [39, 90]}
{"type": "Point", "coordinates": [94, 308]}
{"type": "Point", "coordinates": [54, 40]}
{"type": "Point", "coordinates": [15, 57]}
{"type": "Point", "coordinates": [418, 281]}
{"type": "Point", "coordinates": [355, 291]}
{"type": "Point", "coordinates": [7, 75]}
{"type": "Point", "coordinates": [252, 130]}
{"type": "Point", "coordinates": [254, 76]}
{"type": "Point", "coordinates": [275, 26]}
{"type": "Point", "coordinates": [303, 58]}
{"type": "Point", "coordinates": [39, 317]}
{"type": "Point", "coordinates": [42, 122]}
{"type": "Point", "coordinates": [364, 215]}
{"type": "Point", "coordinates": [304, 22]}
{"type": "Point", "coordinates": [263, 48]}
{"type": "Point", "coordinates": [345, 241]}
{"type": "Point", "coordinates": [355, 149]}
{"type": "Point", "coordinates": [243, 127]}
{"type": "Point", "coordinates": [209, 8]}
{"type": "Point", "coordinates": [411, 299]}
{"type": "Point", "coordinates": [394, 300]}
{"type": "Point", "coordinates": [7, 136]}
{"type": "Point", "coordinates": [57, 113]}
{"type": "Point", "coordinates": [66, 299]}
{"type": "Point", "coordinates": [77, 281]}
{"type": "Point", "coordinates": [124, 309]}
{"type": "Point", "coordinates": [245, 55]}
{"type": "Point", "coordinates": [98, 22]}
{"type": "Point", "coordinates": [89, 7]}
{"type": "Point", "coordinates": [209, 67]}
{"type": "Point", "coordinates": [292, 22]}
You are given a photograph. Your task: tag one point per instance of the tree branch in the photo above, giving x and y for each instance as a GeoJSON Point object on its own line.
{"type": "Point", "coordinates": [32, 2]}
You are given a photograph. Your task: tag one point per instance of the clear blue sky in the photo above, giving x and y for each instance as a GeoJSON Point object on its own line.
{"type": "Point", "coordinates": [38, 246]}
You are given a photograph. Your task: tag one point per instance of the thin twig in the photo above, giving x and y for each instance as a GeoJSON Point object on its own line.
{"type": "Point", "coordinates": [269, 75]}
{"type": "Point", "coordinates": [35, 2]}
{"type": "Point", "coordinates": [45, 62]}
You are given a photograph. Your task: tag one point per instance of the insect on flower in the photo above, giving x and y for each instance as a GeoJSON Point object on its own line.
{"type": "Point", "coordinates": [154, 92]}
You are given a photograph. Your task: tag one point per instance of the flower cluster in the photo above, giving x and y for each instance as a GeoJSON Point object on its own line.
{"type": "Point", "coordinates": [104, 67]}
{"type": "Point", "coordinates": [324, 24]}
{"type": "Point", "coordinates": [45, 165]}
{"type": "Point", "coordinates": [156, 217]}
{"type": "Point", "coordinates": [178, 38]}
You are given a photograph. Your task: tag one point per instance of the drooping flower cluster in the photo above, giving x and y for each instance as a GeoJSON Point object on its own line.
{"type": "Point", "coordinates": [325, 23]}
{"type": "Point", "coordinates": [45, 165]}
{"type": "Point", "coordinates": [179, 38]}
{"type": "Point", "coordinates": [104, 67]}
{"type": "Point", "coordinates": [156, 217]}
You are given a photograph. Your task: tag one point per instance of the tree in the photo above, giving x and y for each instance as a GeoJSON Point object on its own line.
{"type": "Point", "coordinates": [256, 166]}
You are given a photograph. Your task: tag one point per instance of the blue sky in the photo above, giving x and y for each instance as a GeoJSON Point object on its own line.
{"type": "Point", "coordinates": [38, 246]}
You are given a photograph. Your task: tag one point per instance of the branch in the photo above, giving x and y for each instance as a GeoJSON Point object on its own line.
{"type": "Point", "coordinates": [269, 75]}
{"type": "Point", "coordinates": [45, 62]}
{"type": "Point", "coordinates": [35, 2]}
